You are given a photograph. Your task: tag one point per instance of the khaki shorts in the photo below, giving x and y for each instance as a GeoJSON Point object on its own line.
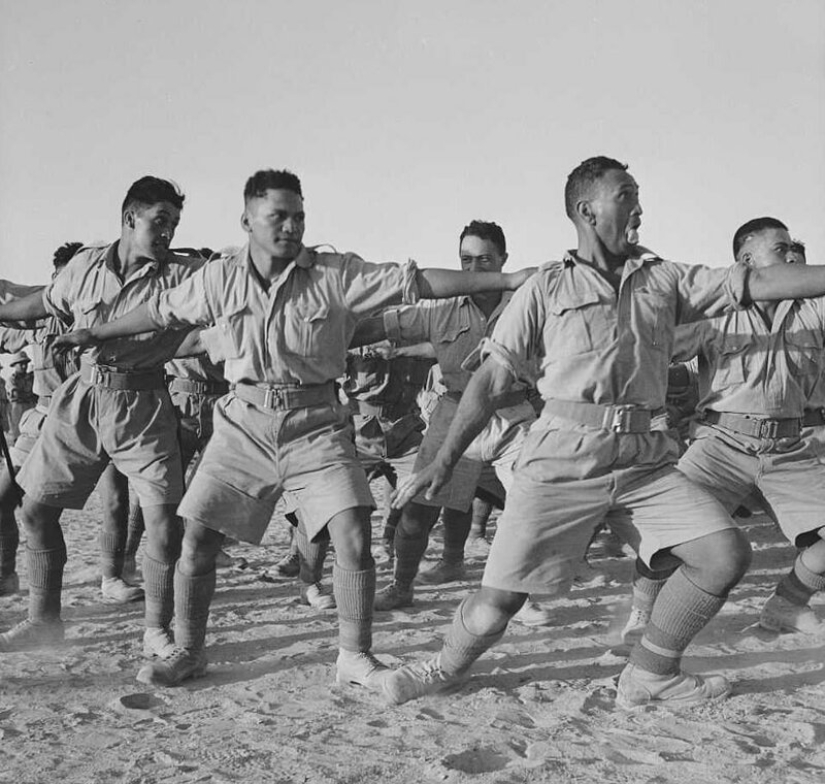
{"type": "Point", "coordinates": [256, 455]}
{"type": "Point", "coordinates": [488, 461]}
{"type": "Point", "coordinates": [791, 483]}
{"type": "Point", "coordinates": [568, 481]}
{"type": "Point", "coordinates": [31, 423]}
{"type": "Point", "coordinates": [89, 426]}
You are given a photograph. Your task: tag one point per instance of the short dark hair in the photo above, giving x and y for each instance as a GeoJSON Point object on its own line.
{"type": "Point", "coordinates": [152, 190]}
{"type": "Point", "coordinates": [752, 227]}
{"type": "Point", "coordinates": [581, 180]}
{"type": "Point", "coordinates": [64, 253]}
{"type": "Point", "coordinates": [271, 180]}
{"type": "Point", "coordinates": [485, 230]}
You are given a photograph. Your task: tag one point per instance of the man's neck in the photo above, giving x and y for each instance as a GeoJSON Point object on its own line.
{"type": "Point", "coordinates": [487, 301]}
{"type": "Point", "coordinates": [127, 261]}
{"type": "Point", "coordinates": [269, 268]}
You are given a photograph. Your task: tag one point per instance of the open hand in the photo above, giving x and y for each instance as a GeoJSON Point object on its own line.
{"type": "Point", "coordinates": [431, 479]}
{"type": "Point", "coordinates": [80, 338]}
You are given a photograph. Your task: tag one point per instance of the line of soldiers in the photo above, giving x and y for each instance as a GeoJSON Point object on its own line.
{"type": "Point", "coordinates": [594, 333]}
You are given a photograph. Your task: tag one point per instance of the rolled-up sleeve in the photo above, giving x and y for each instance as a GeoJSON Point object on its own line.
{"type": "Point", "coordinates": [706, 292]}
{"type": "Point", "coordinates": [186, 303]}
{"type": "Point", "coordinates": [369, 287]}
{"type": "Point", "coordinates": [516, 337]}
{"type": "Point", "coordinates": [409, 325]}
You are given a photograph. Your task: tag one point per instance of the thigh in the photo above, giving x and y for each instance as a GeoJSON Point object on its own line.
{"type": "Point", "coordinates": [139, 431]}
{"type": "Point", "coordinates": [67, 460]}
{"type": "Point", "coordinates": [660, 510]}
{"type": "Point", "coordinates": [794, 491]}
{"type": "Point", "coordinates": [544, 531]}
{"type": "Point", "coordinates": [322, 472]}
{"type": "Point", "coordinates": [728, 474]}
{"type": "Point", "coordinates": [237, 482]}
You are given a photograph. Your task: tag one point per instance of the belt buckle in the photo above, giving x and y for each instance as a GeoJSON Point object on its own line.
{"type": "Point", "coordinates": [96, 376]}
{"type": "Point", "coordinates": [621, 418]}
{"type": "Point", "coordinates": [274, 398]}
{"type": "Point", "coordinates": [768, 428]}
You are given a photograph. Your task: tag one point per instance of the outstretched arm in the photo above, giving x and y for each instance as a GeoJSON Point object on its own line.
{"type": "Point", "coordinates": [476, 407]}
{"type": "Point", "coordinates": [132, 323]}
{"type": "Point", "coordinates": [786, 281]}
{"type": "Point", "coordinates": [28, 308]}
{"type": "Point", "coordinates": [368, 331]}
{"type": "Point", "coordinates": [441, 283]}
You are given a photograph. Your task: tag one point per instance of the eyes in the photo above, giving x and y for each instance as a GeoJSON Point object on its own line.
{"type": "Point", "coordinates": [281, 216]}
{"type": "Point", "coordinates": [479, 259]}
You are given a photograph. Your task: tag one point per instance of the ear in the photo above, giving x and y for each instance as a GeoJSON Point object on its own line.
{"type": "Point", "coordinates": [504, 259]}
{"type": "Point", "coordinates": [129, 218]}
{"type": "Point", "coordinates": [245, 222]}
{"type": "Point", "coordinates": [584, 209]}
{"type": "Point", "coordinates": [746, 258]}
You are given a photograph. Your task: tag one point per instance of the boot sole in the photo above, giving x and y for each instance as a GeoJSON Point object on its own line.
{"type": "Point", "coordinates": [149, 681]}
{"type": "Point", "coordinates": [672, 704]}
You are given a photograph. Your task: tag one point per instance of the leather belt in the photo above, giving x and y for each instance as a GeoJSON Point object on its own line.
{"type": "Point", "coordinates": [757, 427]}
{"type": "Point", "coordinates": [813, 417]}
{"type": "Point", "coordinates": [112, 378]}
{"type": "Point", "coordinates": [284, 398]}
{"type": "Point", "coordinates": [190, 387]}
{"type": "Point", "coordinates": [506, 400]}
{"type": "Point", "coordinates": [615, 419]}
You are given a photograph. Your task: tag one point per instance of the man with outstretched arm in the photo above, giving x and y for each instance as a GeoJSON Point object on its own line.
{"type": "Point", "coordinates": [115, 410]}
{"type": "Point", "coordinates": [285, 315]}
{"type": "Point", "coordinates": [602, 322]}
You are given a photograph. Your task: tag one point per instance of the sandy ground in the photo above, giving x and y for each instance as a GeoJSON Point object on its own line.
{"type": "Point", "coordinates": [540, 707]}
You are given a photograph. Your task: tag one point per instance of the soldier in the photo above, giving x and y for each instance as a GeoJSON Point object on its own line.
{"type": "Point", "coordinates": [602, 321]}
{"type": "Point", "coordinates": [454, 328]}
{"type": "Point", "coordinates": [116, 409]}
{"type": "Point", "coordinates": [21, 396]}
{"type": "Point", "coordinates": [286, 315]}
{"type": "Point", "coordinates": [759, 423]}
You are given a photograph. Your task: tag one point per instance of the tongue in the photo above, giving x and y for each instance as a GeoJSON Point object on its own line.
{"type": "Point", "coordinates": [633, 236]}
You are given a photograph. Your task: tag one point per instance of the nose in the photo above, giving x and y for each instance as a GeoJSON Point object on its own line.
{"type": "Point", "coordinates": [637, 210]}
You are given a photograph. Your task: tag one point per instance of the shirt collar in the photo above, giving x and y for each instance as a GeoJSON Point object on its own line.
{"type": "Point", "coordinates": [305, 258]}
{"type": "Point", "coordinates": [150, 267]}
{"type": "Point", "coordinates": [631, 265]}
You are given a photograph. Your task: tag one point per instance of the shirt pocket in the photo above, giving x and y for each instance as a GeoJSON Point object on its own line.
{"type": "Point", "coordinates": [309, 331]}
{"type": "Point", "coordinates": [90, 311]}
{"type": "Point", "coordinates": [730, 363]}
{"type": "Point", "coordinates": [804, 349]}
{"type": "Point", "coordinates": [225, 340]}
{"type": "Point", "coordinates": [452, 344]}
{"type": "Point", "coordinates": [578, 326]}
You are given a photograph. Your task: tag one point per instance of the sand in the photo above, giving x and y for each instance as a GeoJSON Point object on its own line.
{"type": "Point", "coordinates": [539, 708]}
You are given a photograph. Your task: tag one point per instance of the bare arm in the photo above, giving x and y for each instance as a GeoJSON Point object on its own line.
{"type": "Point", "coordinates": [28, 308]}
{"type": "Point", "coordinates": [441, 283]}
{"type": "Point", "coordinates": [132, 323]}
{"type": "Point", "coordinates": [786, 281]}
{"type": "Point", "coordinates": [192, 345]}
{"type": "Point", "coordinates": [371, 330]}
{"type": "Point", "coordinates": [477, 404]}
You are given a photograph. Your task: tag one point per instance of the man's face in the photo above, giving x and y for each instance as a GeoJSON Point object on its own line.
{"type": "Point", "coordinates": [478, 255]}
{"type": "Point", "coordinates": [153, 228]}
{"type": "Point", "coordinates": [617, 212]}
{"type": "Point", "coordinates": [769, 247]}
{"type": "Point", "coordinates": [275, 223]}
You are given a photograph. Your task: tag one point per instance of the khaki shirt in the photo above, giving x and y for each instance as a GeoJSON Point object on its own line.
{"type": "Point", "coordinates": [298, 331]}
{"type": "Point", "coordinates": [749, 367]}
{"type": "Point", "coordinates": [454, 327]}
{"type": "Point", "coordinates": [89, 292]}
{"type": "Point", "coordinates": [597, 346]}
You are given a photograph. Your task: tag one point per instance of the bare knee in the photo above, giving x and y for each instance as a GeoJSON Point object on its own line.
{"type": "Point", "coordinates": [718, 561]}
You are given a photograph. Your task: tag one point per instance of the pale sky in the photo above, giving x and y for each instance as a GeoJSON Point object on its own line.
{"type": "Point", "coordinates": [407, 120]}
